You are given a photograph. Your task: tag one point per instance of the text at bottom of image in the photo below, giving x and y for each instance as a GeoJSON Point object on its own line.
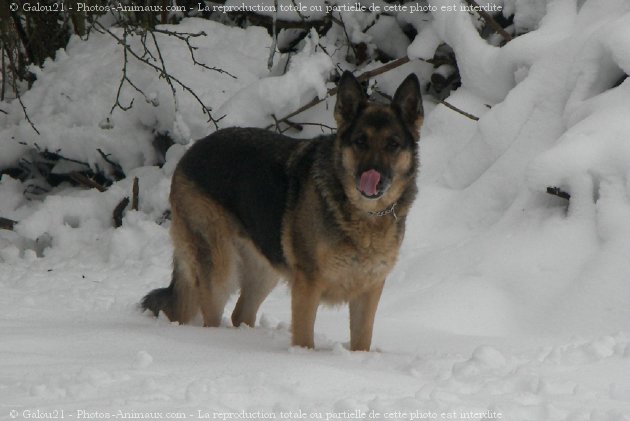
{"type": "Point", "coordinates": [81, 414]}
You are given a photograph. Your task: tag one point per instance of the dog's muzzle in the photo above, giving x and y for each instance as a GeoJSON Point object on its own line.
{"type": "Point", "coordinates": [372, 184]}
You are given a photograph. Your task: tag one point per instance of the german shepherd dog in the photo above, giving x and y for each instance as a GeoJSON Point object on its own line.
{"type": "Point", "coordinates": [328, 214]}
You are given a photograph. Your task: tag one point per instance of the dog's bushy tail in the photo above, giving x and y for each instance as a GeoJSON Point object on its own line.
{"type": "Point", "coordinates": [178, 301]}
{"type": "Point", "coordinates": [161, 299]}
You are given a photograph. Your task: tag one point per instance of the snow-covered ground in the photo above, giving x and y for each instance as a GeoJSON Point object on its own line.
{"type": "Point", "coordinates": [507, 303]}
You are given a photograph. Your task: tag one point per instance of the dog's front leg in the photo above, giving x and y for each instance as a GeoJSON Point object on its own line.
{"type": "Point", "coordinates": [362, 312]}
{"type": "Point", "coordinates": [305, 296]}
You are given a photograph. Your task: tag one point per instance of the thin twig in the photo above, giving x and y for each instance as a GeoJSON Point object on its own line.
{"type": "Point", "coordinates": [143, 41]}
{"type": "Point", "coordinates": [163, 73]}
{"type": "Point", "coordinates": [122, 81]}
{"type": "Point", "coordinates": [290, 125]}
{"type": "Point", "coordinates": [186, 36]}
{"type": "Point", "coordinates": [4, 73]}
{"type": "Point", "coordinates": [274, 37]}
{"type": "Point", "coordinates": [322, 126]}
{"type": "Point", "coordinates": [14, 70]}
{"type": "Point", "coordinates": [116, 165]}
{"type": "Point", "coordinates": [459, 110]}
{"type": "Point", "coordinates": [19, 98]}
{"type": "Point", "coordinates": [350, 44]}
{"type": "Point", "coordinates": [384, 68]}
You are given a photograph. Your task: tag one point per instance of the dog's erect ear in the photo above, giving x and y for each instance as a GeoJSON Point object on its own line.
{"type": "Point", "coordinates": [350, 99]}
{"type": "Point", "coordinates": [409, 101]}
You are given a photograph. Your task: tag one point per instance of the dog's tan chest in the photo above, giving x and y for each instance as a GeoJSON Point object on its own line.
{"type": "Point", "coordinates": [349, 268]}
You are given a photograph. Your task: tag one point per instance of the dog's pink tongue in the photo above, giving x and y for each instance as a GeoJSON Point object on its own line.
{"type": "Point", "coordinates": [369, 181]}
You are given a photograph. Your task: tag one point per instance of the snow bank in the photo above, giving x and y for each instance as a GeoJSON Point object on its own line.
{"type": "Point", "coordinates": [74, 93]}
{"type": "Point", "coordinates": [521, 260]}
{"type": "Point", "coordinates": [255, 104]}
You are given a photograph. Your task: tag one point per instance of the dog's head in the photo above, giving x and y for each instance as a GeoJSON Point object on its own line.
{"type": "Point", "coordinates": [377, 143]}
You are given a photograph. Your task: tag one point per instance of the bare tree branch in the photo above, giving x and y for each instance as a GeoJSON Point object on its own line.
{"type": "Point", "coordinates": [123, 79]}
{"type": "Point", "coordinates": [85, 181]}
{"type": "Point", "coordinates": [299, 126]}
{"type": "Point", "coordinates": [333, 91]}
{"type": "Point", "coordinates": [120, 173]}
{"type": "Point", "coordinates": [161, 71]}
{"type": "Point", "coordinates": [19, 98]}
{"type": "Point", "coordinates": [274, 36]}
{"type": "Point", "coordinates": [459, 110]}
{"type": "Point", "coordinates": [14, 80]}
{"type": "Point", "coordinates": [23, 37]}
{"type": "Point", "coordinates": [186, 36]}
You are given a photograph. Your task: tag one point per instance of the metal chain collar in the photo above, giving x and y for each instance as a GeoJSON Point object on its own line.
{"type": "Point", "coordinates": [387, 211]}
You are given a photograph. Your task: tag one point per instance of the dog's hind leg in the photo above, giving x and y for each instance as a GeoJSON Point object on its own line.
{"type": "Point", "coordinates": [215, 263]}
{"type": "Point", "coordinates": [179, 300]}
{"type": "Point", "coordinates": [257, 280]}
{"type": "Point", "coordinates": [216, 284]}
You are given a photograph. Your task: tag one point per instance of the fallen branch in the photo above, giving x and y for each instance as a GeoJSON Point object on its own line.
{"type": "Point", "coordinates": [555, 191]}
{"type": "Point", "coordinates": [134, 194]}
{"type": "Point", "coordinates": [119, 173]}
{"type": "Point", "coordinates": [7, 224]}
{"type": "Point", "coordinates": [462, 112]}
{"type": "Point", "coordinates": [322, 126]}
{"type": "Point", "coordinates": [85, 181]}
{"type": "Point", "coordinates": [490, 20]}
{"type": "Point", "coordinates": [384, 68]}
{"type": "Point", "coordinates": [118, 212]}
{"type": "Point", "coordinates": [333, 91]}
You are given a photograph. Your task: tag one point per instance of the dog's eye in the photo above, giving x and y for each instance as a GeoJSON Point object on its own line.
{"type": "Point", "coordinates": [393, 144]}
{"type": "Point", "coordinates": [360, 141]}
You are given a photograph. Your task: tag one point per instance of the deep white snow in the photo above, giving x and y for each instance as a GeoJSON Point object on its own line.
{"type": "Point", "coordinates": [507, 302]}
